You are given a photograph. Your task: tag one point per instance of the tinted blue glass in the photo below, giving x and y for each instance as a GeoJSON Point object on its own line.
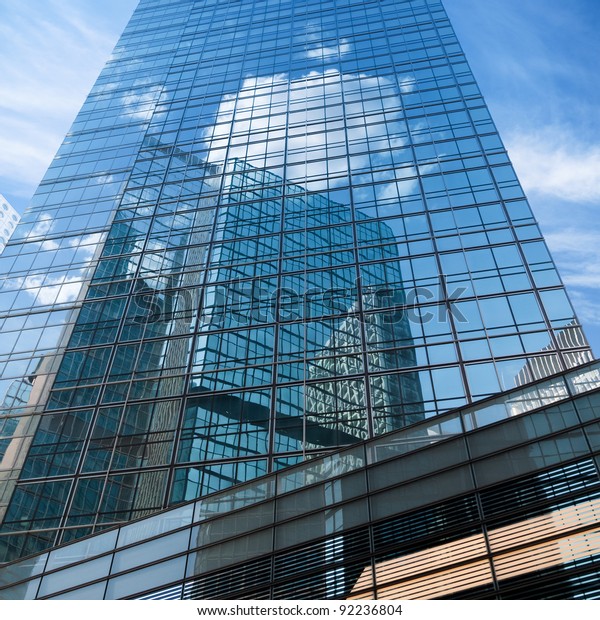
{"type": "Point", "coordinates": [275, 228]}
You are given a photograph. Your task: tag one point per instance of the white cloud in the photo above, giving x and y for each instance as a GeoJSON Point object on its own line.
{"type": "Point", "coordinates": [139, 104]}
{"type": "Point", "coordinates": [25, 151]}
{"type": "Point", "coordinates": [391, 191]}
{"type": "Point", "coordinates": [322, 52]}
{"type": "Point", "coordinates": [86, 245]}
{"type": "Point", "coordinates": [574, 240]}
{"type": "Point", "coordinates": [47, 290]}
{"type": "Point", "coordinates": [586, 307]}
{"type": "Point", "coordinates": [407, 84]}
{"type": "Point", "coordinates": [50, 53]}
{"type": "Point", "coordinates": [577, 252]}
{"type": "Point", "coordinates": [41, 228]}
{"type": "Point", "coordinates": [316, 143]}
{"type": "Point", "coordinates": [552, 162]}
{"type": "Point", "coordinates": [63, 288]}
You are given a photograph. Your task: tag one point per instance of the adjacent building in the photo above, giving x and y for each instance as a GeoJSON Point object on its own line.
{"type": "Point", "coordinates": [9, 218]}
{"type": "Point", "coordinates": [276, 263]}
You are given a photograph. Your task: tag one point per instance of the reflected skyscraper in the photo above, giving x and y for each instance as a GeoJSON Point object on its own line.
{"type": "Point", "coordinates": [276, 229]}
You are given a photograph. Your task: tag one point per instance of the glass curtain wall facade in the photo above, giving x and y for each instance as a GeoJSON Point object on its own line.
{"type": "Point", "coordinates": [496, 500]}
{"type": "Point", "coordinates": [275, 228]}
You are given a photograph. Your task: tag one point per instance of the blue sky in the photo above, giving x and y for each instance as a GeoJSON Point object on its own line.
{"type": "Point", "coordinates": [536, 62]}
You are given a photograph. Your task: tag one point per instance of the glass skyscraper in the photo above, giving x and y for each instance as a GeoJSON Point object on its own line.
{"type": "Point", "coordinates": [276, 229]}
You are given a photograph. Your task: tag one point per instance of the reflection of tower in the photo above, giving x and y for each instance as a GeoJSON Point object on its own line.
{"type": "Point", "coordinates": [12, 431]}
{"type": "Point", "coordinates": [16, 432]}
{"type": "Point", "coordinates": [341, 405]}
{"type": "Point", "coordinates": [388, 392]}
{"type": "Point", "coordinates": [335, 410]}
{"type": "Point", "coordinates": [317, 304]}
{"type": "Point", "coordinates": [162, 278]}
{"type": "Point", "coordinates": [322, 321]}
{"type": "Point", "coordinates": [169, 273]}
{"type": "Point", "coordinates": [18, 393]}
{"type": "Point", "coordinates": [570, 337]}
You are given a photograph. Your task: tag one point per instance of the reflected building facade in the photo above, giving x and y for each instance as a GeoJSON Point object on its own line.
{"type": "Point", "coordinates": [276, 228]}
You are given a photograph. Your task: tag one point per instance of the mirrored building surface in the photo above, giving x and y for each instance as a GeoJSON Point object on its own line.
{"type": "Point", "coordinates": [276, 228]}
{"type": "Point", "coordinates": [497, 500]}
